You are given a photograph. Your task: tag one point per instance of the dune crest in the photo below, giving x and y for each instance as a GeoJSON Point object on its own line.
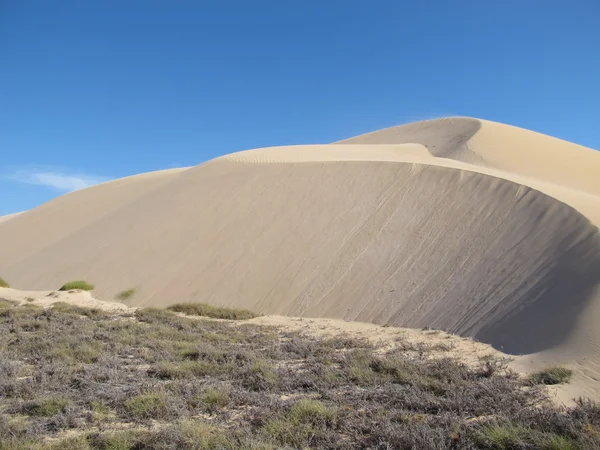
{"type": "Point", "coordinates": [473, 227]}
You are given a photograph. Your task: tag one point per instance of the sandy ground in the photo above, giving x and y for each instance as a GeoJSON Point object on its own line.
{"type": "Point", "coordinates": [481, 229]}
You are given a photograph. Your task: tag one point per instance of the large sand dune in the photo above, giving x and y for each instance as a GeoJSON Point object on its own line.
{"type": "Point", "coordinates": [478, 228]}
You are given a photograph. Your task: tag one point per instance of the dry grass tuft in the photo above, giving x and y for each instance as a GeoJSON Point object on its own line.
{"type": "Point", "coordinates": [215, 312]}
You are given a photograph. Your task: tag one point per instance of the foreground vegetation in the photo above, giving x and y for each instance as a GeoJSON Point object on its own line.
{"type": "Point", "coordinates": [78, 378]}
{"type": "Point", "coordinates": [3, 283]}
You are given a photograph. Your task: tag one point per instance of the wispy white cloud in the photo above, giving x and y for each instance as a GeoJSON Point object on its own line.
{"type": "Point", "coordinates": [57, 180]}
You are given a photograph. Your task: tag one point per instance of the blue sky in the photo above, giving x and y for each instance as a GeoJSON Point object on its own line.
{"type": "Point", "coordinates": [91, 91]}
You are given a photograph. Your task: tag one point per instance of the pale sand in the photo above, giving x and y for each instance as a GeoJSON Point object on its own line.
{"type": "Point", "coordinates": [456, 224]}
{"type": "Point", "coordinates": [9, 216]}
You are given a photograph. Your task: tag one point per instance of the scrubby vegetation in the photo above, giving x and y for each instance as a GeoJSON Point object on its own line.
{"type": "Point", "coordinates": [3, 284]}
{"type": "Point", "coordinates": [551, 375]}
{"type": "Point", "coordinates": [72, 378]}
{"type": "Point", "coordinates": [79, 284]}
{"type": "Point", "coordinates": [215, 312]}
{"type": "Point", "coordinates": [125, 294]}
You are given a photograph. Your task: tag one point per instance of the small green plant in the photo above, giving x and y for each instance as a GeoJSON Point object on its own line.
{"type": "Point", "coordinates": [79, 284]}
{"type": "Point", "coordinates": [67, 308]}
{"type": "Point", "coordinates": [214, 399]}
{"type": "Point", "coordinates": [311, 411]}
{"type": "Point", "coordinates": [147, 406]}
{"type": "Point", "coordinates": [261, 376]}
{"type": "Point", "coordinates": [215, 312]}
{"type": "Point", "coordinates": [48, 407]}
{"type": "Point", "coordinates": [5, 304]}
{"type": "Point", "coordinates": [125, 294]}
{"type": "Point", "coordinates": [203, 436]}
{"type": "Point", "coordinates": [3, 284]}
{"type": "Point", "coordinates": [551, 375]}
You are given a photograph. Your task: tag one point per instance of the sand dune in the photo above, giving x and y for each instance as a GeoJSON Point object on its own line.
{"type": "Point", "coordinates": [477, 228]}
{"type": "Point", "coordinates": [9, 216]}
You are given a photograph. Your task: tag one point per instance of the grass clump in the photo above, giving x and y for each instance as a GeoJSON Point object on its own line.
{"type": "Point", "coordinates": [215, 312]}
{"type": "Point", "coordinates": [79, 284]}
{"type": "Point", "coordinates": [48, 407]}
{"type": "Point", "coordinates": [308, 420]}
{"type": "Point", "coordinates": [3, 284]}
{"type": "Point", "coordinates": [551, 375]}
{"type": "Point", "coordinates": [67, 308]}
{"type": "Point", "coordinates": [124, 295]}
{"type": "Point", "coordinates": [5, 304]}
{"type": "Point", "coordinates": [311, 411]}
{"type": "Point", "coordinates": [214, 399]}
{"type": "Point", "coordinates": [152, 405]}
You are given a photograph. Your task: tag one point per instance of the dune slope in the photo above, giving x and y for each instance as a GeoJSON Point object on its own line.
{"type": "Point", "coordinates": [426, 224]}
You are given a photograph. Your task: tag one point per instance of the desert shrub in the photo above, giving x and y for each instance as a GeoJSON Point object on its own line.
{"type": "Point", "coordinates": [516, 437]}
{"type": "Point", "coordinates": [213, 399]}
{"type": "Point", "coordinates": [47, 407]}
{"type": "Point", "coordinates": [152, 405]}
{"type": "Point", "coordinates": [3, 284]}
{"type": "Point", "coordinates": [551, 375]}
{"type": "Point", "coordinates": [124, 295]}
{"type": "Point", "coordinates": [215, 312]}
{"type": "Point", "coordinates": [311, 411]}
{"type": "Point", "coordinates": [79, 284]}
{"type": "Point", "coordinates": [260, 376]}
{"type": "Point", "coordinates": [67, 308]}
{"type": "Point", "coordinates": [5, 304]}
{"type": "Point", "coordinates": [307, 421]}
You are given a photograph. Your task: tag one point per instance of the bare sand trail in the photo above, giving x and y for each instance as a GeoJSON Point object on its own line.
{"type": "Point", "coordinates": [477, 228]}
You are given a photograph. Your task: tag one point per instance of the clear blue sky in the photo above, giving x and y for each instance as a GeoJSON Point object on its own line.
{"type": "Point", "coordinates": [94, 90]}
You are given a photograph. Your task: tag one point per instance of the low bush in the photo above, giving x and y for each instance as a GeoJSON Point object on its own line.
{"type": "Point", "coordinates": [79, 284]}
{"type": "Point", "coordinates": [3, 284]}
{"type": "Point", "coordinates": [215, 312]}
{"type": "Point", "coordinates": [124, 295]}
{"type": "Point", "coordinates": [551, 375]}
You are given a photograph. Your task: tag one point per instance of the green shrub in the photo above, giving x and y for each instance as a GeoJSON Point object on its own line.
{"type": "Point", "coordinates": [3, 284]}
{"type": "Point", "coordinates": [67, 308]}
{"type": "Point", "coordinates": [214, 399]}
{"type": "Point", "coordinates": [215, 312]}
{"type": "Point", "coordinates": [261, 376]}
{"type": "Point", "coordinates": [79, 284]}
{"type": "Point", "coordinates": [69, 443]}
{"type": "Point", "coordinates": [152, 405]}
{"type": "Point", "coordinates": [203, 436]}
{"type": "Point", "coordinates": [551, 375]}
{"type": "Point", "coordinates": [5, 304]}
{"type": "Point", "coordinates": [311, 411]}
{"type": "Point", "coordinates": [48, 407]}
{"type": "Point", "coordinates": [125, 294]}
